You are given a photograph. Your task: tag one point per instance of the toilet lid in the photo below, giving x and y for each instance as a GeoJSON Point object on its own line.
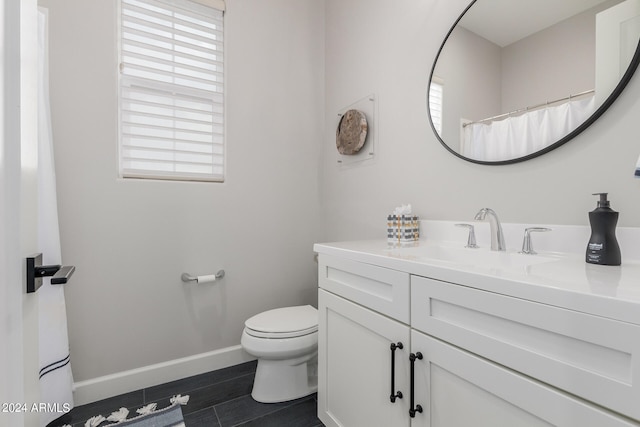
{"type": "Point", "coordinates": [284, 322]}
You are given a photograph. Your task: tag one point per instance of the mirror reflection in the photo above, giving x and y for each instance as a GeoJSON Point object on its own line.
{"type": "Point", "coordinates": [517, 78]}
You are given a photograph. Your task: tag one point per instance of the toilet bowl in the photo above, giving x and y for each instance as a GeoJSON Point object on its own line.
{"type": "Point", "coordinates": [285, 342]}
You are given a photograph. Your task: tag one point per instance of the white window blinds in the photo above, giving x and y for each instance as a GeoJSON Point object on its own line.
{"type": "Point", "coordinates": [171, 90]}
{"type": "Point", "coordinates": [435, 104]}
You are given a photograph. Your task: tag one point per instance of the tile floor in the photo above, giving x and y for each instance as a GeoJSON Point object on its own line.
{"type": "Point", "coordinates": [216, 399]}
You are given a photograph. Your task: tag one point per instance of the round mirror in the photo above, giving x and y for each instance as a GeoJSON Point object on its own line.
{"type": "Point", "coordinates": [515, 79]}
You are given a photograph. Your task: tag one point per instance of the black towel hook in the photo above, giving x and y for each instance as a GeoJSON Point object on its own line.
{"type": "Point", "coordinates": [59, 274]}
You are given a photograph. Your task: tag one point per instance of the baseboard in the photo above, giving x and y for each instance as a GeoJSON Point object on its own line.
{"type": "Point", "coordinates": [147, 376]}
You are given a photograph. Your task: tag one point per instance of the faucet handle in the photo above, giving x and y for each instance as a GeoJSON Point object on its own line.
{"type": "Point", "coordinates": [471, 240]}
{"type": "Point", "coordinates": [527, 246]}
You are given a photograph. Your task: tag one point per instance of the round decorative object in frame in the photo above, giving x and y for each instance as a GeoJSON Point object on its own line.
{"type": "Point", "coordinates": [351, 133]}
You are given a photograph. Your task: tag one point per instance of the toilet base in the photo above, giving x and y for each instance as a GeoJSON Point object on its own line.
{"type": "Point", "coordinates": [283, 380]}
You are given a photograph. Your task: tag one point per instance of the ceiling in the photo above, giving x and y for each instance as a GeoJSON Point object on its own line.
{"type": "Point", "coordinates": [520, 18]}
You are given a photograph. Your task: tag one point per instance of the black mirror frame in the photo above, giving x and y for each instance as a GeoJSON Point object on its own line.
{"type": "Point", "coordinates": [633, 65]}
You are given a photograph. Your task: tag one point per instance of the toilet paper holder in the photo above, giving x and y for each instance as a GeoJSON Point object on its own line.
{"type": "Point", "coordinates": [186, 277]}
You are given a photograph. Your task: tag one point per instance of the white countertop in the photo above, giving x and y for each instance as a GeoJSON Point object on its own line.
{"type": "Point", "coordinates": [559, 279]}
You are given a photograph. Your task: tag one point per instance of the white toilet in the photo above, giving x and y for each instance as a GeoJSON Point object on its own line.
{"type": "Point", "coordinates": [285, 341]}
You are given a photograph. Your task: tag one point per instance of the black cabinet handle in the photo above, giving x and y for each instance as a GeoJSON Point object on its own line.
{"type": "Point", "coordinates": [413, 408]}
{"type": "Point", "coordinates": [394, 395]}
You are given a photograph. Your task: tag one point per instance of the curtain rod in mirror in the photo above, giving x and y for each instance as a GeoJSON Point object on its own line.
{"type": "Point", "coordinates": [531, 107]}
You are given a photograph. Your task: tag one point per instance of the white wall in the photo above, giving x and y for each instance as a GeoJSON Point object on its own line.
{"type": "Point", "coordinates": [470, 67]}
{"type": "Point", "coordinates": [554, 63]}
{"type": "Point", "coordinates": [131, 239]}
{"type": "Point", "coordinates": [412, 167]}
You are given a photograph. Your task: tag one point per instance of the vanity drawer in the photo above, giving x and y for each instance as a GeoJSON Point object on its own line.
{"type": "Point", "coordinates": [381, 289]}
{"type": "Point", "coordinates": [592, 357]}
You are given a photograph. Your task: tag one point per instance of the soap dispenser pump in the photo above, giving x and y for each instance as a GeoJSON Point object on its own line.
{"type": "Point", "coordinates": [603, 246]}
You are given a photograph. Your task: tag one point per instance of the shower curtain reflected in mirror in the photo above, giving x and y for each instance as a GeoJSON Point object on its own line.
{"type": "Point", "coordinates": [527, 133]}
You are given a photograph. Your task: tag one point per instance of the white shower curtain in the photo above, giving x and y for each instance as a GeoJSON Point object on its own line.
{"type": "Point", "coordinates": [527, 133]}
{"type": "Point", "coordinates": [56, 381]}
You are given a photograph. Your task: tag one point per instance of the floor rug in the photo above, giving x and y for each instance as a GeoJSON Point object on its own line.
{"type": "Point", "coordinates": [148, 416]}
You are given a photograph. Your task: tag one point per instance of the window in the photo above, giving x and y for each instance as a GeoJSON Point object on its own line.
{"type": "Point", "coordinates": [435, 103]}
{"type": "Point", "coordinates": [171, 90]}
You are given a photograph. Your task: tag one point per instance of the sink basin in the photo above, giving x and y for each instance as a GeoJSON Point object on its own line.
{"type": "Point", "coordinates": [479, 258]}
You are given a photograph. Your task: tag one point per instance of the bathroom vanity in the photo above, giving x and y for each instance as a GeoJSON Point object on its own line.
{"type": "Point", "coordinates": [436, 334]}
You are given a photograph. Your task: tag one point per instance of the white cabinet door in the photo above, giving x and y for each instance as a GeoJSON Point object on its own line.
{"type": "Point", "coordinates": [354, 365]}
{"type": "Point", "coordinates": [457, 388]}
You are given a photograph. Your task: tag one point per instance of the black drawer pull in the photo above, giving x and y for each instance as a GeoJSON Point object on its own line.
{"type": "Point", "coordinates": [394, 394]}
{"type": "Point", "coordinates": [413, 408]}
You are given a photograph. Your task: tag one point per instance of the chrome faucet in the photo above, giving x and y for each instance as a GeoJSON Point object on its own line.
{"type": "Point", "coordinates": [497, 236]}
{"type": "Point", "coordinates": [527, 246]}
